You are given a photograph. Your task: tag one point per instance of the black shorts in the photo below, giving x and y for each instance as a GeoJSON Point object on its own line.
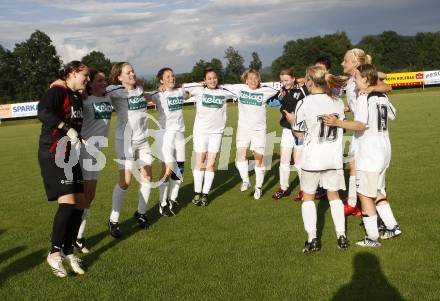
{"type": "Point", "coordinates": [55, 181]}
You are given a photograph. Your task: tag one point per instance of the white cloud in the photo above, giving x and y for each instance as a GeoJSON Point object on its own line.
{"type": "Point", "coordinates": [178, 33]}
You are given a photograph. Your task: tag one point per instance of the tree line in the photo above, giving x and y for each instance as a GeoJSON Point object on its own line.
{"type": "Point", "coordinates": [32, 65]}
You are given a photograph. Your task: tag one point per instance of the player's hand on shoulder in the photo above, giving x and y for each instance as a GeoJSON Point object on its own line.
{"type": "Point", "coordinates": [58, 83]}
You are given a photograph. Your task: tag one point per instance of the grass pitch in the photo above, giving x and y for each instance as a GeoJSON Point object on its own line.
{"type": "Point", "coordinates": [237, 248]}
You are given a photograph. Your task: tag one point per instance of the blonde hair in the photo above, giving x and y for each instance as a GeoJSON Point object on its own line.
{"type": "Point", "coordinates": [116, 71]}
{"type": "Point", "coordinates": [325, 80]}
{"type": "Point", "coordinates": [245, 74]}
{"type": "Point", "coordinates": [360, 57]}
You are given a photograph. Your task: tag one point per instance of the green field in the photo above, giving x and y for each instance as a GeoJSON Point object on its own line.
{"type": "Point", "coordinates": [237, 248]}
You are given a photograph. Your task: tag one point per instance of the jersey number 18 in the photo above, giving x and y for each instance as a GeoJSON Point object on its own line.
{"type": "Point", "coordinates": [327, 133]}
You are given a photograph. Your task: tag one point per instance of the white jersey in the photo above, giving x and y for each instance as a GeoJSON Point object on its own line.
{"type": "Point", "coordinates": [170, 106]}
{"type": "Point", "coordinates": [211, 108]}
{"type": "Point", "coordinates": [131, 109]}
{"type": "Point", "coordinates": [251, 105]}
{"type": "Point", "coordinates": [373, 151]}
{"type": "Point", "coordinates": [351, 91]}
{"type": "Point", "coordinates": [97, 115]}
{"type": "Point", "coordinates": [322, 146]}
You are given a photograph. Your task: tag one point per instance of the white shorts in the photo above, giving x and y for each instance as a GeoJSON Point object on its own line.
{"type": "Point", "coordinates": [170, 146]}
{"type": "Point", "coordinates": [132, 156]}
{"type": "Point", "coordinates": [370, 183]}
{"type": "Point", "coordinates": [210, 143]}
{"type": "Point", "coordinates": [254, 140]}
{"type": "Point", "coordinates": [288, 139]}
{"type": "Point", "coordinates": [332, 180]}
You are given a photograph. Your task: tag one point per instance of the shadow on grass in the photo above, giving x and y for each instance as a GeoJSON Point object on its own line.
{"type": "Point", "coordinates": [368, 282]}
{"type": "Point", "coordinates": [23, 264]}
{"type": "Point", "coordinates": [2, 231]}
{"type": "Point", "coordinates": [11, 253]}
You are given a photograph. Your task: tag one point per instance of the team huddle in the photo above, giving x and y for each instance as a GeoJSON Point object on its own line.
{"type": "Point", "coordinates": [76, 112]}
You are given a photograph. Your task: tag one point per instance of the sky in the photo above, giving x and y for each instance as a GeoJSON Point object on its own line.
{"type": "Point", "coordinates": [176, 34]}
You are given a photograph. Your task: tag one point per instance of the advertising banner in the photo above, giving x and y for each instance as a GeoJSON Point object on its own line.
{"type": "Point", "coordinates": [432, 77]}
{"type": "Point", "coordinates": [404, 79]}
{"type": "Point", "coordinates": [5, 111]}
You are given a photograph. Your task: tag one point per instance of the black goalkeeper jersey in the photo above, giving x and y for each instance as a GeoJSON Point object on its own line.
{"type": "Point", "coordinates": [57, 105]}
{"type": "Point", "coordinates": [289, 101]}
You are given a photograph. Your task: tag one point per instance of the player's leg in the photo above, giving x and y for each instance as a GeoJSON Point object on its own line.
{"type": "Point", "coordinates": [350, 205]}
{"type": "Point", "coordinates": [200, 143]}
{"type": "Point", "coordinates": [144, 160]}
{"type": "Point", "coordinates": [367, 192]}
{"type": "Point", "coordinates": [309, 182]}
{"type": "Point", "coordinates": [258, 145]}
{"type": "Point", "coordinates": [297, 160]}
{"type": "Point", "coordinates": [333, 181]}
{"type": "Point", "coordinates": [177, 172]}
{"type": "Point", "coordinates": [243, 141]}
{"type": "Point", "coordinates": [89, 195]}
{"type": "Point", "coordinates": [126, 160]}
{"type": "Point", "coordinates": [383, 208]}
{"type": "Point", "coordinates": [286, 148]}
{"type": "Point", "coordinates": [213, 147]}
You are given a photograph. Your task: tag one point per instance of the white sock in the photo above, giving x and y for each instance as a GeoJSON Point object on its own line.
{"type": "Point", "coordinates": [82, 227]}
{"type": "Point", "coordinates": [117, 201]}
{"type": "Point", "coordinates": [144, 195]}
{"type": "Point", "coordinates": [174, 189]}
{"type": "Point", "coordinates": [338, 216]}
{"type": "Point", "coordinates": [284, 175]}
{"type": "Point", "coordinates": [308, 210]}
{"type": "Point", "coordinates": [370, 224]}
{"type": "Point", "coordinates": [352, 196]}
{"type": "Point", "coordinates": [259, 176]}
{"type": "Point", "coordinates": [163, 193]}
{"type": "Point", "coordinates": [386, 214]}
{"type": "Point", "coordinates": [198, 180]}
{"type": "Point", "coordinates": [243, 169]}
{"type": "Point", "coordinates": [207, 183]}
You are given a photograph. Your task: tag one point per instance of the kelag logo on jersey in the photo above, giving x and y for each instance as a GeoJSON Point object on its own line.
{"type": "Point", "coordinates": [213, 101]}
{"type": "Point", "coordinates": [255, 99]}
{"type": "Point", "coordinates": [175, 103]}
{"type": "Point", "coordinates": [137, 102]}
{"type": "Point", "coordinates": [103, 110]}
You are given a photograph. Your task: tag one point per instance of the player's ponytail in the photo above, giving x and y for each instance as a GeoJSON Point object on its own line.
{"type": "Point", "coordinates": [324, 80]}
{"type": "Point", "coordinates": [360, 57]}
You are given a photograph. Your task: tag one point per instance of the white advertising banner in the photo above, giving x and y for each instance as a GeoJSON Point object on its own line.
{"type": "Point", "coordinates": [431, 77]}
{"type": "Point", "coordinates": [25, 109]}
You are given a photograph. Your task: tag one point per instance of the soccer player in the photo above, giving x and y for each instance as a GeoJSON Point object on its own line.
{"type": "Point", "coordinates": [372, 156]}
{"type": "Point", "coordinates": [98, 110]}
{"type": "Point", "coordinates": [289, 95]}
{"type": "Point", "coordinates": [352, 59]}
{"type": "Point", "coordinates": [251, 131]}
{"type": "Point", "coordinates": [61, 113]}
{"type": "Point", "coordinates": [132, 148]}
{"type": "Point", "coordinates": [209, 125]}
{"type": "Point", "coordinates": [170, 139]}
{"type": "Point", "coordinates": [321, 157]}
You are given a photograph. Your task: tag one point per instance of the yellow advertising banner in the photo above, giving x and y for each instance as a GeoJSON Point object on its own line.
{"type": "Point", "coordinates": [405, 79]}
